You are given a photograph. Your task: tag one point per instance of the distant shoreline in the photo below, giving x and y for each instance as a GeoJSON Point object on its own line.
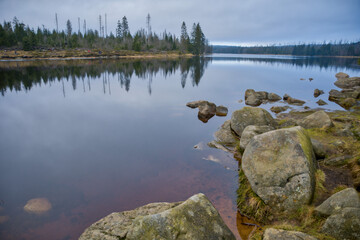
{"type": "Point", "coordinates": [259, 54]}
{"type": "Point", "coordinates": [12, 55]}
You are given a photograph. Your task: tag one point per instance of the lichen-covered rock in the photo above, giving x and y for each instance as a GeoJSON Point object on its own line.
{"type": "Point", "coordinates": [273, 97]}
{"type": "Point", "coordinates": [221, 111]}
{"type": "Point", "coordinates": [337, 161]}
{"type": "Point", "coordinates": [279, 109]}
{"type": "Point", "coordinates": [318, 119]}
{"type": "Point", "coordinates": [225, 136]}
{"type": "Point", "coordinates": [347, 83]}
{"type": "Point", "coordinates": [251, 131]}
{"type": "Point", "coordinates": [280, 167]}
{"type": "Point", "coordinates": [344, 224]}
{"type": "Point", "coordinates": [293, 101]}
{"type": "Point", "coordinates": [320, 149]}
{"type": "Point", "coordinates": [341, 75]}
{"type": "Point", "coordinates": [194, 218]}
{"type": "Point", "coordinates": [278, 234]}
{"type": "Point", "coordinates": [338, 201]}
{"type": "Point", "coordinates": [246, 116]}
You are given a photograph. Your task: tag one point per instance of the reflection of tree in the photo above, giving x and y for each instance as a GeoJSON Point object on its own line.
{"type": "Point", "coordinates": [25, 77]}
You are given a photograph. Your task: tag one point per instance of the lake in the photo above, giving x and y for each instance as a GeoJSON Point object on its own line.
{"type": "Point", "coordinates": [99, 136]}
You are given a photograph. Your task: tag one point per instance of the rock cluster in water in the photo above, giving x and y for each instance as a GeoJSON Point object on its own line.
{"type": "Point", "coordinates": [207, 110]}
{"type": "Point", "coordinates": [195, 218]}
{"type": "Point", "coordinates": [349, 96]}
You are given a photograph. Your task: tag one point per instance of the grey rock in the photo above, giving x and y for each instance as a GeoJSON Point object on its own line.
{"type": "Point", "coordinates": [221, 111]}
{"type": "Point", "coordinates": [320, 149]}
{"type": "Point", "coordinates": [321, 102]}
{"type": "Point", "coordinates": [341, 75]}
{"type": "Point", "coordinates": [318, 92]}
{"type": "Point", "coordinates": [344, 225]}
{"type": "Point", "coordinates": [318, 119]}
{"type": "Point", "coordinates": [206, 111]}
{"type": "Point", "coordinates": [273, 97]}
{"type": "Point", "coordinates": [347, 198]}
{"type": "Point", "coordinates": [279, 109]}
{"type": "Point", "coordinates": [293, 101]}
{"type": "Point", "coordinates": [337, 161]}
{"type": "Point", "coordinates": [225, 136]}
{"type": "Point", "coordinates": [251, 131]}
{"type": "Point", "coordinates": [347, 82]}
{"type": "Point", "coordinates": [280, 167]}
{"type": "Point", "coordinates": [246, 116]}
{"type": "Point", "coordinates": [278, 234]}
{"type": "Point", "coordinates": [195, 104]}
{"type": "Point", "coordinates": [252, 100]}
{"type": "Point", "coordinates": [196, 218]}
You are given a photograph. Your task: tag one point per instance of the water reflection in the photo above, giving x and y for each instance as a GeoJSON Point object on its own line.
{"type": "Point", "coordinates": [326, 63]}
{"type": "Point", "coordinates": [18, 76]}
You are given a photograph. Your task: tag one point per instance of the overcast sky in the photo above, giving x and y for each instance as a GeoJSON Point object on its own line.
{"type": "Point", "coordinates": [223, 21]}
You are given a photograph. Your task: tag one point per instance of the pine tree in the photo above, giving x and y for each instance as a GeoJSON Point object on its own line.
{"type": "Point", "coordinates": [197, 40]}
{"type": "Point", "coordinates": [119, 30]}
{"type": "Point", "coordinates": [125, 27]}
{"type": "Point", "coordinates": [68, 28]}
{"type": "Point", "coordinates": [184, 39]}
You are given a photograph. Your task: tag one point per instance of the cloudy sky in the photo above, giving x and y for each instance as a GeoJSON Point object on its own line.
{"type": "Point", "coordinates": [223, 21]}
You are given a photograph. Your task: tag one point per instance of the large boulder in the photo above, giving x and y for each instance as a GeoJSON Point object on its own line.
{"type": "Point", "coordinates": [225, 136]}
{"type": "Point", "coordinates": [278, 234]}
{"type": "Point", "coordinates": [344, 224]}
{"type": "Point", "coordinates": [280, 167]}
{"type": "Point", "coordinates": [195, 218]}
{"type": "Point", "coordinates": [251, 131]}
{"type": "Point", "coordinates": [347, 198]}
{"type": "Point", "coordinates": [246, 116]}
{"type": "Point", "coordinates": [318, 119]}
{"type": "Point", "coordinates": [344, 211]}
{"type": "Point", "coordinates": [206, 111]}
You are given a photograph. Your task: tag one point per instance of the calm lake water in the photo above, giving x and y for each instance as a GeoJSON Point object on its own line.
{"type": "Point", "coordinates": [99, 136]}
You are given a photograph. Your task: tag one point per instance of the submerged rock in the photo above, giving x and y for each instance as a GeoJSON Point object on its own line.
{"type": "Point", "coordinates": [318, 119]}
{"type": "Point", "coordinates": [4, 219]}
{"type": "Point", "coordinates": [246, 116]}
{"type": "Point", "coordinates": [280, 167]}
{"type": "Point", "coordinates": [278, 234]}
{"type": "Point", "coordinates": [251, 131]}
{"type": "Point", "coordinates": [38, 205]}
{"type": "Point", "coordinates": [195, 218]}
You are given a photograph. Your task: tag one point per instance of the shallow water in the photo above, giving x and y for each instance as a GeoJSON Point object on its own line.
{"type": "Point", "coordinates": [94, 137]}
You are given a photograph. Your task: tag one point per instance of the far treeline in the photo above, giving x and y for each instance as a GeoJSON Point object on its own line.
{"type": "Point", "coordinates": [16, 35]}
{"type": "Point", "coordinates": [325, 49]}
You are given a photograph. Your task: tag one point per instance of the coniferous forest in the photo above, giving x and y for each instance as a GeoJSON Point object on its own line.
{"type": "Point", "coordinates": [17, 35]}
{"type": "Point", "coordinates": [314, 49]}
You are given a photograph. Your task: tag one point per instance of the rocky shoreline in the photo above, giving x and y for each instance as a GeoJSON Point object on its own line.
{"type": "Point", "coordinates": [299, 176]}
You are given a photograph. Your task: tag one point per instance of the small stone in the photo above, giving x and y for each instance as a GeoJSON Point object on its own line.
{"type": "Point", "coordinates": [279, 109]}
{"type": "Point", "coordinates": [221, 111]}
{"type": "Point", "coordinates": [195, 104]}
{"type": "Point", "coordinates": [273, 97]}
{"type": "Point", "coordinates": [310, 79]}
{"type": "Point", "coordinates": [293, 101]}
{"type": "Point", "coordinates": [321, 103]}
{"type": "Point", "coordinates": [302, 78]}
{"type": "Point", "coordinates": [341, 75]}
{"type": "Point", "coordinates": [318, 92]}
{"type": "Point", "coordinates": [38, 205]}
